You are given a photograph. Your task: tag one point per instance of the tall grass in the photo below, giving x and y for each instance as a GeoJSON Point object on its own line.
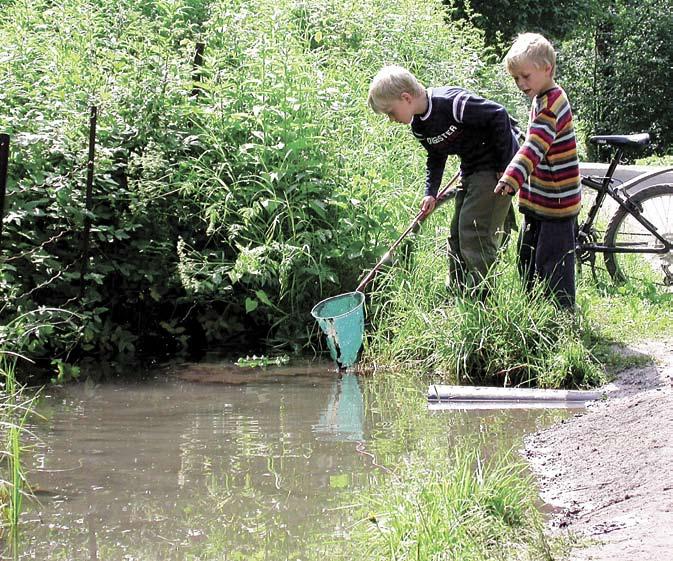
{"type": "Point", "coordinates": [455, 506]}
{"type": "Point", "coordinates": [510, 338]}
{"type": "Point", "coordinates": [14, 410]}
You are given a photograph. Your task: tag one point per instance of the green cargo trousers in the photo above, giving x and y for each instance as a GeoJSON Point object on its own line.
{"type": "Point", "coordinates": [477, 229]}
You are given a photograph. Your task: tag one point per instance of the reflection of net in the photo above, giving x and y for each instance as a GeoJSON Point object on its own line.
{"type": "Point", "coordinates": [343, 417]}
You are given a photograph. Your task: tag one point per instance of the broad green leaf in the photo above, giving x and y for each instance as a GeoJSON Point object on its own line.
{"type": "Point", "coordinates": [250, 305]}
{"type": "Point", "coordinates": [263, 297]}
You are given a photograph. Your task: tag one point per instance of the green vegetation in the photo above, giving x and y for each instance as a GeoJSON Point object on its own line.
{"type": "Point", "coordinates": [509, 339]}
{"type": "Point", "coordinates": [235, 191]}
{"type": "Point", "coordinates": [501, 20]}
{"type": "Point", "coordinates": [441, 492]}
{"type": "Point", "coordinates": [461, 507]}
{"type": "Point", "coordinates": [229, 197]}
{"type": "Point", "coordinates": [631, 312]}
{"type": "Point", "coordinates": [615, 60]}
{"type": "Point", "coordinates": [233, 194]}
{"type": "Point", "coordinates": [603, 64]}
{"type": "Point", "coordinates": [666, 161]}
{"type": "Point", "coordinates": [14, 410]}
{"type": "Point", "coordinates": [255, 361]}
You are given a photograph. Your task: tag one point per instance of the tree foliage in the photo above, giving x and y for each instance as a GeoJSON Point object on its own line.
{"type": "Point", "coordinates": [229, 196]}
{"type": "Point", "coordinates": [615, 57]}
{"type": "Point", "coordinates": [502, 20]}
{"type": "Point", "coordinates": [619, 70]}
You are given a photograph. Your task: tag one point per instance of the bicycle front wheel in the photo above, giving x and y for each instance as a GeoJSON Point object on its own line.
{"type": "Point", "coordinates": [655, 204]}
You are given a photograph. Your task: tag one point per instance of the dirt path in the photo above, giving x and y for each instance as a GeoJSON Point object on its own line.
{"type": "Point", "coordinates": [609, 470]}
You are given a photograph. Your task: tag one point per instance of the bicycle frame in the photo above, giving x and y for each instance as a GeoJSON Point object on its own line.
{"type": "Point", "coordinates": [603, 187]}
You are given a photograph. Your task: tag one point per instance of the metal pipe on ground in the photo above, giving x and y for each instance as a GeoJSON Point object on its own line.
{"type": "Point", "coordinates": [481, 397]}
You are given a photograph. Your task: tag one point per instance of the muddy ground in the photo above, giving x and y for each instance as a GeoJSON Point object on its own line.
{"type": "Point", "coordinates": [609, 470]}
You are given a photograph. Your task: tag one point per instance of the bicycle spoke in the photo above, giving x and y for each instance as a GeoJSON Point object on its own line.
{"type": "Point", "coordinates": [624, 231]}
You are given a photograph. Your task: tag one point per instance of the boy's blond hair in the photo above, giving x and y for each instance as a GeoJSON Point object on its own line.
{"type": "Point", "coordinates": [389, 84]}
{"type": "Point", "coordinates": [531, 47]}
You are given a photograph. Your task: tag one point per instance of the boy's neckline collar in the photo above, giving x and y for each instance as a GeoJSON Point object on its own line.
{"type": "Point", "coordinates": [538, 96]}
{"type": "Point", "coordinates": [428, 94]}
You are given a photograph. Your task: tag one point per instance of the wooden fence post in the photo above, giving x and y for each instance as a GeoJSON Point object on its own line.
{"type": "Point", "coordinates": [196, 65]}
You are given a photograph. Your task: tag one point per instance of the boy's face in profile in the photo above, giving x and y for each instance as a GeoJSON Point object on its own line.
{"type": "Point", "coordinates": [532, 79]}
{"type": "Point", "coordinates": [402, 109]}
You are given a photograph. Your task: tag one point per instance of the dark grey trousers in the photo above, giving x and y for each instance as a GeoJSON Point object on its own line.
{"type": "Point", "coordinates": [547, 253]}
{"type": "Point", "coordinates": [476, 228]}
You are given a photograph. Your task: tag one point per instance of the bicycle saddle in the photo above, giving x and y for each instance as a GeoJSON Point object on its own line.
{"type": "Point", "coordinates": [623, 140]}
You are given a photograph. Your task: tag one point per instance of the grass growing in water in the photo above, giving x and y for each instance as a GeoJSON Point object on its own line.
{"type": "Point", "coordinates": [14, 409]}
{"type": "Point", "coordinates": [459, 506]}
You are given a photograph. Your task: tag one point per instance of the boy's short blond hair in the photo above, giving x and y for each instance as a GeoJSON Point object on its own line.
{"type": "Point", "coordinates": [389, 84]}
{"type": "Point", "coordinates": [531, 47]}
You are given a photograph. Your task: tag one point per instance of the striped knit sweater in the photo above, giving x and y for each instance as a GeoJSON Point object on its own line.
{"type": "Point", "coordinates": [549, 157]}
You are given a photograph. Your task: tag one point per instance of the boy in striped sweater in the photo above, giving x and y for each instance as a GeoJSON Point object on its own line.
{"type": "Point", "coordinates": [550, 201]}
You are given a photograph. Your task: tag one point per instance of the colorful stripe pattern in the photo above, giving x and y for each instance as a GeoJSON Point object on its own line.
{"type": "Point", "coordinates": [549, 158]}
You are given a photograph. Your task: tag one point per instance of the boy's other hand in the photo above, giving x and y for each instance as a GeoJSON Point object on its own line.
{"type": "Point", "coordinates": [428, 204]}
{"type": "Point", "coordinates": [503, 188]}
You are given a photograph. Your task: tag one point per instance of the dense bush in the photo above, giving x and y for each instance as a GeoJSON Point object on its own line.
{"type": "Point", "coordinates": [501, 20]}
{"type": "Point", "coordinates": [228, 197]}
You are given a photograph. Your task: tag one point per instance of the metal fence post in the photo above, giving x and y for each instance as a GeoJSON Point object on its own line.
{"type": "Point", "coordinates": [4, 161]}
{"type": "Point", "coordinates": [89, 189]}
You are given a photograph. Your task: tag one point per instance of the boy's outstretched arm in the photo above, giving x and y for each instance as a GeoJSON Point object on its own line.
{"type": "Point", "coordinates": [434, 170]}
{"type": "Point", "coordinates": [541, 133]}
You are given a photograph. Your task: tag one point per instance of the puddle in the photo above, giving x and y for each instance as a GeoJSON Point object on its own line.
{"type": "Point", "coordinates": [226, 464]}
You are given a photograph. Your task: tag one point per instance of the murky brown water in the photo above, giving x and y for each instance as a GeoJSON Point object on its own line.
{"type": "Point", "coordinates": [247, 466]}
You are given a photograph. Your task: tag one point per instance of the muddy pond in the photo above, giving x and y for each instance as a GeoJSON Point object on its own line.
{"type": "Point", "coordinates": [212, 461]}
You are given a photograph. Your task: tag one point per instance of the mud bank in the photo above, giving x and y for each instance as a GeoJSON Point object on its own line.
{"type": "Point", "coordinates": [609, 470]}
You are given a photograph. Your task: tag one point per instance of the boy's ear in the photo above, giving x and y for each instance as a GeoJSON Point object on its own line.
{"type": "Point", "coordinates": [406, 96]}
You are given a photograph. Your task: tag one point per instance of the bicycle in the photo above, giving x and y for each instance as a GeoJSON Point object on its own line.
{"type": "Point", "coordinates": [638, 240]}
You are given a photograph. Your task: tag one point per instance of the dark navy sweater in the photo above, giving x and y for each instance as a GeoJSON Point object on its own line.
{"type": "Point", "coordinates": [480, 132]}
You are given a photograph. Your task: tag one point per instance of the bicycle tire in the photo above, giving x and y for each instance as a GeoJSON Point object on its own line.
{"type": "Point", "coordinates": [656, 205]}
